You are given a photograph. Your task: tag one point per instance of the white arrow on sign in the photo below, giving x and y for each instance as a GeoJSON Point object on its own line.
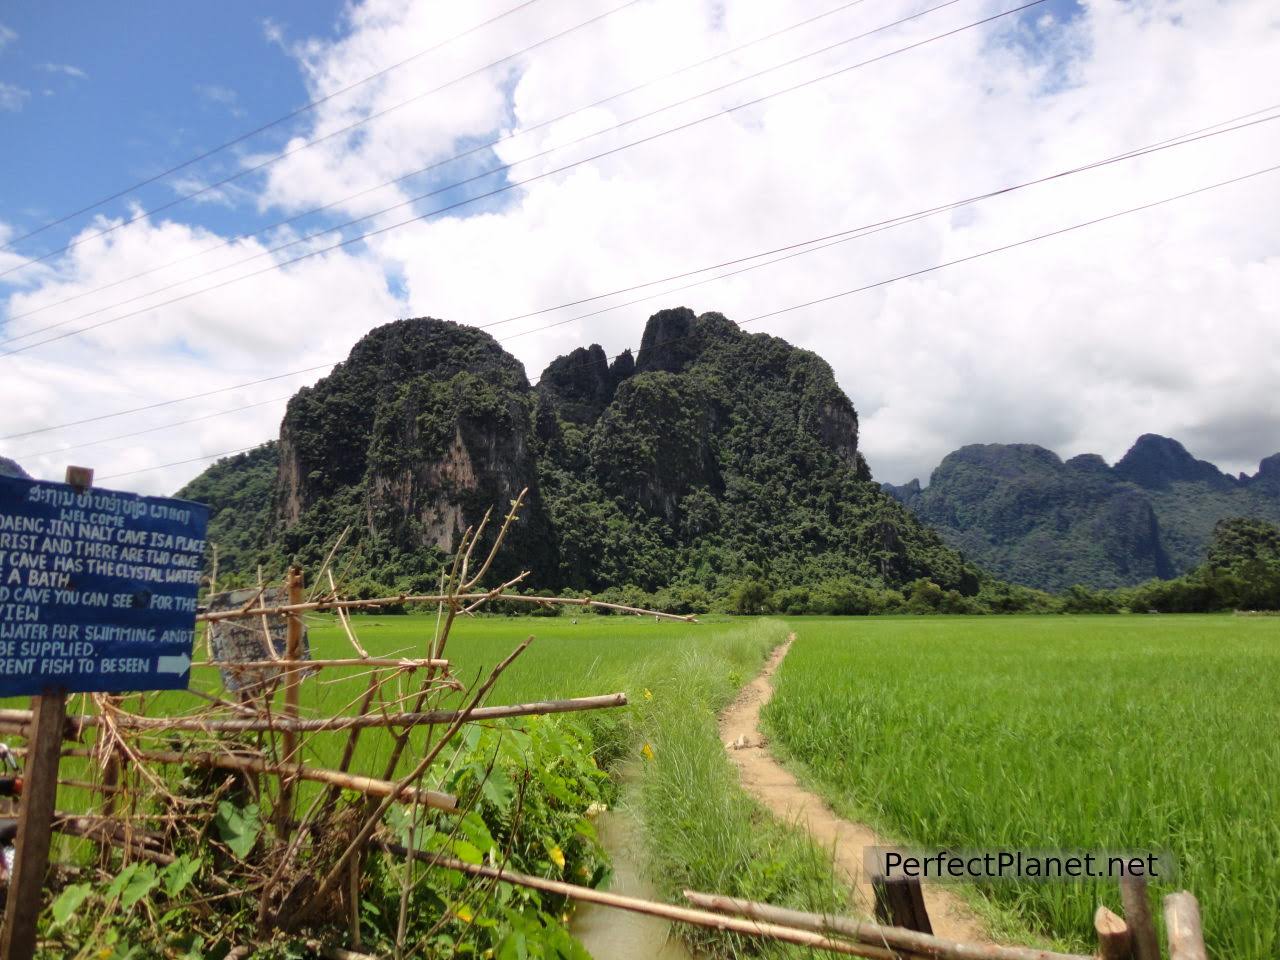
{"type": "Point", "coordinates": [178, 664]}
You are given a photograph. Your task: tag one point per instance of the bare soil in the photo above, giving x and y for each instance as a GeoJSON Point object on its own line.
{"type": "Point", "coordinates": [778, 790]}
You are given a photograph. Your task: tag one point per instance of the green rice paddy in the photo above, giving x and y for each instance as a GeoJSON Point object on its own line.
{"type": "Point", "coordinates": [1056, 732]}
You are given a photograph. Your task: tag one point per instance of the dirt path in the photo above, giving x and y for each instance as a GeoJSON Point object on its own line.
{"type": "Point", "coordinates": [774, 786]}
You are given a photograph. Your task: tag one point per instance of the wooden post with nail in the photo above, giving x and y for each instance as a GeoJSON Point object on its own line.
{"type": "Point", "coordinates": [35, 810]}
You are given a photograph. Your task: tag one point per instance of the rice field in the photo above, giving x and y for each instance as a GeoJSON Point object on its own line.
{"type": "Point", "coordinates": [1056, 732]}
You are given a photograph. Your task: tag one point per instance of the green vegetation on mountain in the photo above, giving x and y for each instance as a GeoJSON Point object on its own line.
{"type": "Point", "coordinates": [1022, 513]}
{"type": "Point", "coordinates": [712, 460]}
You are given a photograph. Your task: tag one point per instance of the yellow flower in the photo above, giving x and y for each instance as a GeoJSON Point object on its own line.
{"type": "Point", "coordinates": [647, 752]}
{"type": "Point", "coordinates": [557, 856]}
{"type": "Point", "coordinates": [648, 694]}
{"type": "Point", "coordinates": [463, 913]}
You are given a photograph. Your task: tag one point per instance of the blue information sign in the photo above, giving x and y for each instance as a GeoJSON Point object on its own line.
{"type": "Point", "coordinates": [97, 588]}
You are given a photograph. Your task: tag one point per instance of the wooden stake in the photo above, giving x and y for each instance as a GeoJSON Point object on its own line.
{"type": "Point", "coordinates": [292, 653]}
{"type": "Point", "coordinates": [1137, 916]}
{"type": "Point", "coordinates": [900, 903]}
{"type": "Point", "coordinates": [35, 810]}
{"type": "Point", "coordinates": [1182, 922]}
{"type": "Point", "coordinates": [35, 826]}
{"type": "Point", "coordinates": [1114, 939]}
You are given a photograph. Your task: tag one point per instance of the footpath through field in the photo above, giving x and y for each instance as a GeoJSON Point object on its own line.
{"type": "Point", "coordinates": [778, 790]}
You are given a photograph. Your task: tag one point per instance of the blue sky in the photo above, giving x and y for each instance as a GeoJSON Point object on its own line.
{"type": "Point", "coordinates": [118, 92]}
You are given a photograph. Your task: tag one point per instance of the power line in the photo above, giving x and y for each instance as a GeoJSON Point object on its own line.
{"type": "Point", "coordinates": [167, 403]}
{"type": "Point", "coordinates": [474, 178]}
{"type": "Point", "coordinates": [814, 244]}
{"type": "Point", "coordinates": [266, 126]}
{"type": "Point", "coordinates": [882, 283]}
{"type": "Point", "coordinates": [518, 183]}
{"type": "Point", "coordinates": [800, 248]}
{"type": "Point", "coordinates": [421, 170]}
{"type": "Point", "coordinates": [139, 433]}
{"type": "Point", "coordinates": [311, 143]}
{"type": "Point", "coordinates": [179, 463]}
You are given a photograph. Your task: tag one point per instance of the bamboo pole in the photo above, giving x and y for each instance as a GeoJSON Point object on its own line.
{"type": "Point", "coordinates": [402, 663]}
{"type": "Point", "coordinates": [292, 654]}
{"type": "Point", "coordinates": [282, 609]}
{"type": "Point", "coordinates": [1114, 940]}
{"type": "Point", "coordinates": [347, 781]}
{"type": "Point", "coordinates": [1137, 915]}
{"type": "Point", "coordinates": [897, 938]}
{"type": "Point", "coordinates": [698, 918]}
{"type": "Point", "coordinates": [16, 721]}
{"type": "Point", "coordinates": [1182, 923]}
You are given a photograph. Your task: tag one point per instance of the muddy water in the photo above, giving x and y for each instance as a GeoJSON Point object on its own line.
{"type": "Point", "coordinates": [610, 934]}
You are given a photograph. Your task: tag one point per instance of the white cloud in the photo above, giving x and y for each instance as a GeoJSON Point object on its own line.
{"type": "Point", "coordinates": [7, 35]}
{"type": "Point", "coordinates": [65, 69]}
{"type": "Point", "coordinates": [12, 97]}
{"type": "Point", "coordinates": [1161, 322]}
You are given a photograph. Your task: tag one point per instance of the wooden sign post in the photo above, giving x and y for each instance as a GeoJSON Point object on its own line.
{"type": "Point", "coordinates": [99, 595]}
{"type": "Point", "coordinates": [35, 809]}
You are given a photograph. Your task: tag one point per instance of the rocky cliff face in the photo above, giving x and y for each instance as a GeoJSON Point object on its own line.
{"type": "Point", "coordinates": [710, 455]}
{"type": "Point", "coordinates": [421, 430]}
{"type": "Point", "coordinates": [1023, 513]}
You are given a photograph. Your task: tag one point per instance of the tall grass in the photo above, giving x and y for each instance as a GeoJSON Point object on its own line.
{"type": "Point", "coordinates": [1066, 732]}
{"type": "Point", "coordinates": [704, 832]}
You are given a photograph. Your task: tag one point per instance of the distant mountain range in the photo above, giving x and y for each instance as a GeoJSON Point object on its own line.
{"type": "Point", "coordinates": [1021, 512]}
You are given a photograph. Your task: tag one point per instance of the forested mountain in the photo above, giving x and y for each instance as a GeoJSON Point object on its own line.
{"type": "Point", "coordinates": [711, 456]}
{"type": "Point", "coordinates": [10, 469]}
{"type": "Point", "coordinates": [1021, 512]}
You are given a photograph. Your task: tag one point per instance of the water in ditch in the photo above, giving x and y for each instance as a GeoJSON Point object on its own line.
{"type": "Point", "coordinates": [612, 934]}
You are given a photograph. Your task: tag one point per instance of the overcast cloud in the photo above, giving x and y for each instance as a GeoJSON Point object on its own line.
{"type": "Point", "coordinates": [1164, 321]}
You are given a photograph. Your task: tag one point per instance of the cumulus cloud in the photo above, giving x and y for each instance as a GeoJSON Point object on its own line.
{"type": "Point", "coordinates": [1158, 322]}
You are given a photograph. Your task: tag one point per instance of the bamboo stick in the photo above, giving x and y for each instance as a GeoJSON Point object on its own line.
{"type": "Point", "coordinates": [1182, 923]}
{"type": "Point", "coordinates": [347, 781]}
{"type": "Point", "coordinates": [282, 609]}
{"type": "Point", "coordinates": [699, 918]}
{"type": "Point", "coordinates": [292, 653]}
{"type": "Point", "coordinates": [16, 720]}
{"type": "Point", "coordinates": [404, 663]}
{"type": "Point", "coordinates": [1114, 940]}
{"type": "Point", "coordinates": [898, 938]}
{"type": "Point", "coordinates": [1137, 915]}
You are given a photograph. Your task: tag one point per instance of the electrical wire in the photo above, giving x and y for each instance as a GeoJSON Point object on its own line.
{"type": "Point", "coordinates": [429, 167]}
{"type": "Point", "coordinates": [265, 127]}
{"type": "Point", "coordinates": [311, 143]}
{"type": "Point", "coordinates": [877, 284]}
{"type": "Point", "coordinates": [519, 183]}
{"type": "Point", "coordinates": [798, 249]}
